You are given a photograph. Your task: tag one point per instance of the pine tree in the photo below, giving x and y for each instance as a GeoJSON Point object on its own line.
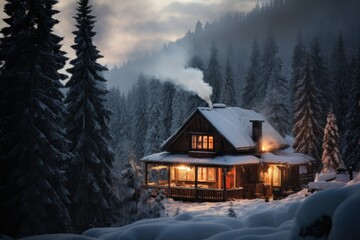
{"type": "Point", "coordinates": [167, 96]}
{"type": "Point", "coordinates": [198, 27]}
{"type": "Point", "coordinates": [129, 191]}
{"type": "Point", "coordinates": [155, 131]}
{"type": "Point", "coordinates": [119, 126]}
{"type": "Point", "coordinates": [139, 116]}
{"type": "Point", "coordinates": [178, 110]}
{"type": "Point", "coordinates": [307, 112]}
{"type": "Point", "coordinates": [229, 97]}
{"type": "Point", "coordinates": [340, 82]}
{"type": "Point", "coordinates": [269, 59]}
{"type": "Point", "coordinates": [351, 150]}
{"type": "Point", "coordinates": [113, 103]}
{"type": "Point", "coordinates": [331, 159]}
{"type": "Point", "coordinates": [33, 147]}
{"type": "Point", "coordinates": [251, 94]}
{"type": "Point", "coordinates": [299, 54]}
{"type": "Point", "coordinates": [319, 71]}
{"type": "Point", "coordinates": [231, 211]}
{"type": "Point", "coordinates": [196, 62]}
{"type": "Point", "coordinates": [276, 102]}
{"type": "Point", "coordinates": [212, 74]}
{"type": "Point", "coordinates": [90, 174]}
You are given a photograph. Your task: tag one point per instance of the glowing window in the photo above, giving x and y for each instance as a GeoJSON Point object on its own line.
{"type": "Point", "coordinates": [206, 174]}
{"type": "Point", "coordinates": [205, 142]}
{"type": "Point", "coordinates": [272, 176]}
{"type": "Point", "coordinates": [185, 173]}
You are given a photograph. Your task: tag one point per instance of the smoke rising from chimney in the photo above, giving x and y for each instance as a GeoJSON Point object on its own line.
{"type": "Point", "coordinates": [170, 66]}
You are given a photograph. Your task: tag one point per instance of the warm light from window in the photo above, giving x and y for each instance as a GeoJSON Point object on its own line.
{"type": "Point", "coordinates": [205, 142]}
{"type": "Point", "coordinates": [184, 168]}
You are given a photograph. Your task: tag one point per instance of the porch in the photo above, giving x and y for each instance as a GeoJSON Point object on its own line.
{"type": "Point", "coordinates": [199, 194]}
{"type": "Point", "coordinates": [193, 182]}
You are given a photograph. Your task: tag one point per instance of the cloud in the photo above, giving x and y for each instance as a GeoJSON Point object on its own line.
{"type": "Point", "coordinates": [129, 29]}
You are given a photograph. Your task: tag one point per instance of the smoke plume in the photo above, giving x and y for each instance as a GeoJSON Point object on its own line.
{"type": "Point", "coordinates": [170, 65]}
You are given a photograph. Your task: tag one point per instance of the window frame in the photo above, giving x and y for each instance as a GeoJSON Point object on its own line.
{"type": "Point", "coordinates": [202, 142]}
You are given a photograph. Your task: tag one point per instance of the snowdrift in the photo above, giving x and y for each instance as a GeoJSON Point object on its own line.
{"type": "Point", "coordinates": [329, 214]}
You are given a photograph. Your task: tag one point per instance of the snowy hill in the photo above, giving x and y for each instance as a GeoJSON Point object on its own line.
{"type": "Point", "coordinates": [328, 214]}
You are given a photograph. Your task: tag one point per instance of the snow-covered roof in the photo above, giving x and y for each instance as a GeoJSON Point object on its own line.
{"type": "Point", "coordinates": [280, 157]}
{"type": "Point", "coordinates": [166, 157]}
{"type": "Point", "coordinates": [233, 123]}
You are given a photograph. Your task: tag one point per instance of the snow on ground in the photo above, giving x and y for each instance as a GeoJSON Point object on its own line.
{"type": "Point", "coordinates": [328, 214]}
{"type": "Point", "coordinates": [242, 208]}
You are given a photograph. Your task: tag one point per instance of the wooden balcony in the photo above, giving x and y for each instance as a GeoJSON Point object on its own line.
{"type": "Point", "coordinates": [199, 194]}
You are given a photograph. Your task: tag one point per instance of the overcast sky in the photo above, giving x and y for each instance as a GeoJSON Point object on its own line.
{"type": "Point", "coordinates": [127, 29]}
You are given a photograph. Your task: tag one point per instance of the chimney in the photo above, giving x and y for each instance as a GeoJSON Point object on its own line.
{"type": "Point", "coordinates": [257, 131]}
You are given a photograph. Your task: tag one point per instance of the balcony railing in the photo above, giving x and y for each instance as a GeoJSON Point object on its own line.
{"type": "Point", "coordinates": [199, 194]}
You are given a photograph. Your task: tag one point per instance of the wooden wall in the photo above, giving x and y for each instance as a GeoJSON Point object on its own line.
{"type": "Point", "coordinates": [199, 125]}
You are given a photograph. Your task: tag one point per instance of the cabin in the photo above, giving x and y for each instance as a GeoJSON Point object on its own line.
{"type": "Point", "coordinates": [222, 153]}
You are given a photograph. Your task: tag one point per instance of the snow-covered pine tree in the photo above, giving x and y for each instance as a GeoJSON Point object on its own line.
{"type": "Point", "coordinates": [351, 151]}
{"type": "Point", "coordinates": [319, 72]}
{"type": "Point", "coordinates": [196, 62]}
{"type": "Point", "coordinates": [251, 95]}
{"type": "Point", "coordinates": [139, 116]}
{"type": "Point", "coordinates": [268, 60]}
{"type": "Point", "coordinates": [299, 54]}
{"type": "Point", "coordinates": [198, 27]}
{"type": "Point", "coordinates": [93, 198]}
{"type": "Point", "coordinates": [129, 192]}
{"type": "Point", "coordinates": [178, 109]}
{"type": "Point", "coordinates": [119, 126]}
{"type": "Point", "coordinates": [307, 114]}
{"type": "Point", "coordinates": [231, 211]}
{"type": "Point", "coordinates": [331, 158]}
{"type": "Point", "coordinates": [158, 207]}
{"type": "Point", "coordinates": [113, 103]}
{"type": "Point", "coordinates": [229, 97]}
{"type": "Point", "coordinates": [212, 74]}
{"type": "Point", "coordinates": [33, 147]}
{"type": "Point", "coordinates": [276, 102]}
{"type": "Point", "coordinates": [155, 131]}
{"type": "Point", "coordinates": [340, 81]}
{"type": "Point", "coordinates": [167, 96]}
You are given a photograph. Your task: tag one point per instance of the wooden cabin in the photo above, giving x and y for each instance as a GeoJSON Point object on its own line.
{"type": "Point", "coordinates": [223, 153]}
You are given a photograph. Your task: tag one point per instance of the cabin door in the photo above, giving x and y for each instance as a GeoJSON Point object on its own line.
{"type": "Point", "coordinates": [230, 178]}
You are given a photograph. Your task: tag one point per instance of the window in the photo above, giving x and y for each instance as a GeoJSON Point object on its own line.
{"type": "Point", "coordinates": [302, 169]}
{"type": "Point", "coordinates": [204, 142]}
{"type": "Point", "coordinates": [206, 174]}
{"type": "Point", "coordinates": [272, 176]}
{"type": "Point", "coordinates": [185, 173]}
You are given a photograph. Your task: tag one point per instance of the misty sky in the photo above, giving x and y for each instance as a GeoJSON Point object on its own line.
{"type": "Point", "coordinates": [127, 29]}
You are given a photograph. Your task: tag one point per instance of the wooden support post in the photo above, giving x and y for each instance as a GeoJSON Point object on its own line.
{"type": "Point", "coordinates": [169, 182]}
{"type": "Point", "coordinates": [169, 175]}
{"type": "Point", "coordinates": [224, 183]}
{"type": "Point", "coordinates": [196, 182]}
{"type": "Point", "coordinates": [146, 173]}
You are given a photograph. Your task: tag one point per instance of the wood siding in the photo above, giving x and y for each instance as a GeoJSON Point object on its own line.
{"type": "Point", "coordinates": [198, 125]}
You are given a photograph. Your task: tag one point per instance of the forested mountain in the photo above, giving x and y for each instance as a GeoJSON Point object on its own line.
{"type": "Point", "coordinates": [254, 60]}
{"type": "Point", "coordinates": [320, 19]}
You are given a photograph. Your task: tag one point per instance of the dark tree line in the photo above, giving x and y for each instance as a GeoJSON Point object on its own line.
{"type": "Point", "coordinates": [55, 152]}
